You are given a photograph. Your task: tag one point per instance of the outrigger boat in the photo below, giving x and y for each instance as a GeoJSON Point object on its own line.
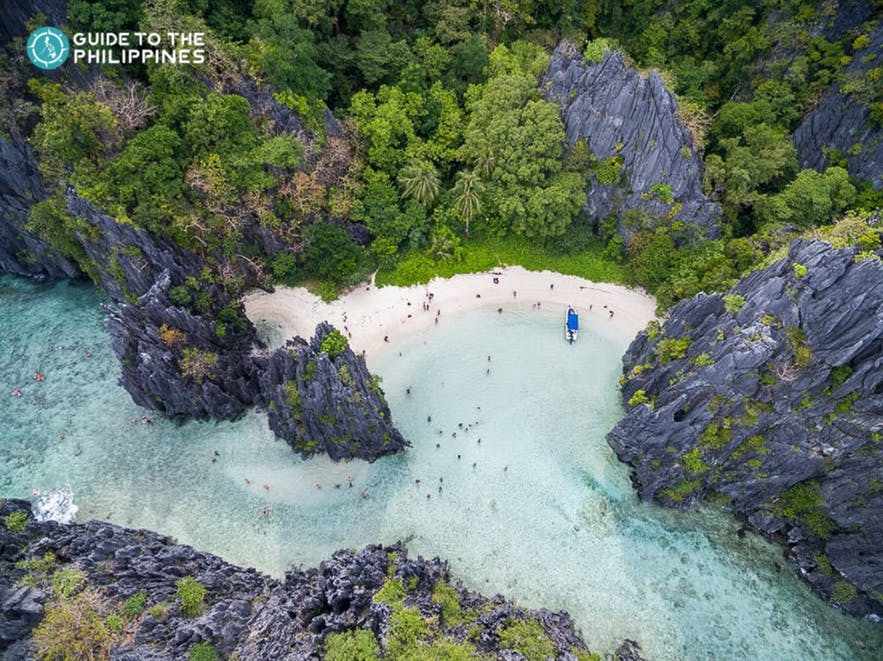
{"type": "Point", "coordinates": [571, 325]}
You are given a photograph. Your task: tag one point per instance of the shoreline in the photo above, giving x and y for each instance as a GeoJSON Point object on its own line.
{"type": "Point", "coordinates": [368, 314]}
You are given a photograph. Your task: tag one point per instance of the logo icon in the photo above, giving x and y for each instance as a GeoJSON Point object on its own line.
{"type": "Point", "coordinates": [48, 48]}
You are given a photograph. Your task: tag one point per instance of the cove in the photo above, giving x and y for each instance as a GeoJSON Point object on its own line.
{"type": "Point", "coordinates": [546, 515]}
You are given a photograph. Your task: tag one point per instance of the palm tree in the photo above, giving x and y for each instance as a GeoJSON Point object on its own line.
{"type": "Point", "coordinates": [419, 180]}
{"type": "Point", "coordinates": [485, 161]}
{"type": "Point", "coordinates": [467, 192]}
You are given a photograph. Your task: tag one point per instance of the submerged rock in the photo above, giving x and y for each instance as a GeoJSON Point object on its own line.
{"type": "Point", "coordinates": [771, 397]}
{"type": "Point", "coordinates": [322, 398]}
{"type": "Point", "coordinates": [378, 592]}
{"type": "Point", "coordinates": [631, 122]}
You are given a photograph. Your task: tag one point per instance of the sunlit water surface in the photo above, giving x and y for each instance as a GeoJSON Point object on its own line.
{"type": "Point", "coordinates": [539, 510]}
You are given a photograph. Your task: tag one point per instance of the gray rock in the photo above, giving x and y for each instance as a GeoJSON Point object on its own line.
{"type": "Point", "coordinates": [247, 613]}
{"type": "Point", "coordinates": [778, 406]}
{"type": "Point", "coordinates": [21, 252]}
{"type": "Point", "coordinates": [320, 403]}
{"type": "Point", "coordinates": [842, 122]}
{"type": "Point", "coordinates": [618, 112]}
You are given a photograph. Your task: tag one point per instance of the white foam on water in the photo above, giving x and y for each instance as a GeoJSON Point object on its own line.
{"type": "Point", "coordinates": [55, 505]}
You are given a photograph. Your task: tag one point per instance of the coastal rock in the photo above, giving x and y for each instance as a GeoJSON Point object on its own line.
{"type": "Point", "coordinates": [772, 396]}
{"type": "Point", "coordinates": [632, 121]}
{"type": "Point", "coordinates": [842, 121]}
{"type": "Point", "coordinates": [126, 261]}
{"type": "Point", "coordinates": [176, 362]}
{"type": "Point", "coordinates": [22, 252]}
{"type": "Point", "coordinates": [246, 613]}
{"type": "Point", "coordinates": [323, 399]}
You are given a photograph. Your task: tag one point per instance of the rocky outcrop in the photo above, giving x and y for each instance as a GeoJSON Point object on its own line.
{"type": "Point", "coordinates": [21, 252]}
{"type": "Point", "coordinates": [203, 359]}
{"type": "Point", "coordinates": [631, 122]}
{"type": "Point", "coordinates": [842, 121]}
{"type": "Point", "coordinates": [173, 359]}
{"type": "Point", "coordinates": [771, 397]}
{"type": "Point", "coordinates": [177, 362]}
{"type": "Point", "coordinates": [378, 591]}
{"type": "Point", "coordinates": [321, 398]}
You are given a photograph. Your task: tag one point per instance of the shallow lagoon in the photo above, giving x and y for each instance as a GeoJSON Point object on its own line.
{"type": "Point", "coordinates": [546, 515]}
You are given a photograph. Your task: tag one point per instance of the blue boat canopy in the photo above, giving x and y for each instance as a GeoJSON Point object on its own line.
{"type": "Point", "coordinates": [572, 320]}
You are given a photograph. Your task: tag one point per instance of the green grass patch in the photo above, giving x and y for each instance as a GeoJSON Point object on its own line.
{"type": "Point", "coordinates": [191, 593]}
{"type": "Point", "coordinates": [670, 348]}
{"type": "Point", "coordinates": [844, 592]}
{"type": "Point", "coordinates": [134, 605]}
{"type": "Point", "coordinates": [528, 638]}
{"type": "Point", "coordinates": [354, 645]}
{"type": "Point", "coordinates": [715, 435]}
{"type": "Point", "coordinates": [804, 502]}
{"type": "Point", "coordinates": [202, 652]}
{"type": "Point", "coordinates": [681, 490]}
{"type": "Point", "coordinates": [640, 397]}
{"type": "Point", "coordinates": [487, 253]}
{"type": "Point", "coordinates": [754, 445]}
{"type": "Point", "coordinates": [16, 522]}
{"type": "Point", "coordinates": [392, 593]}
{"type": "Point", "coordinates": [694, 463]}
{"type": "Point", "coordinates": [449, 599]}
{"type": "Point", "coordinates": [406, 630]}
{"type": "Point", "coordinates": [733, 302]}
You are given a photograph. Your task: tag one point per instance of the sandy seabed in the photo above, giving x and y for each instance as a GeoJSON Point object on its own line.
{"type": "Point", "coordinates": [372, 316]}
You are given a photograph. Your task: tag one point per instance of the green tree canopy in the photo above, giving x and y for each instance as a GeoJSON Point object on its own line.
{"type": "Point", "coordinates": [811, 199]}
{"type": "Point", "coordinates": [331, 254]}
{"type": "Point", "coordinates": [517, 140]}
{"type": "Point", "coordinates": [419, 181]}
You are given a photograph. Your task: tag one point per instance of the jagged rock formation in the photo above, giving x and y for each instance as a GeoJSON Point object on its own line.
{"type": "Point", "coordinates": [322, 400]}
{"type": "Point", "coordinates": [21, 252]}
{"type": "Point", "coordinates": [842, 121]}
{"type": "Point", "coordinates": [632, 120]}
{"type": "Point", "coordinates": [174, 361]}
{"type": "Point", "coordinates": [772, 397]}
{"type": "Point", "coordinates": [244, 612]}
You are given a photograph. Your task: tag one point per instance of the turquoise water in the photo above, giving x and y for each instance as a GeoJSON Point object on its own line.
{"type": "Point", "coordinates": [546, 515]}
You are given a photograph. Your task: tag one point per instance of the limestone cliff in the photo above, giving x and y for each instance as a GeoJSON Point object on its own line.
{"type": "Point", "coordinates": [631, 122]}
{"type": "Point", "coordinates": [842, 121]}
{"type": "Point", "coordinates": [22, 252]}
{"type": "Point", "coordinates": [378, 591]}
{"type": "Point", "coordinates": [770, 398]}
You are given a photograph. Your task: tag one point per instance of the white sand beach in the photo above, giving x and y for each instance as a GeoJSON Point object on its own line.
{"type": "Point", "coordinates": [368, 314]}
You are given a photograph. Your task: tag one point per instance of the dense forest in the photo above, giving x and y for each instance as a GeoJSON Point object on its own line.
{"type": "Point", "coordinates": [323, 140]}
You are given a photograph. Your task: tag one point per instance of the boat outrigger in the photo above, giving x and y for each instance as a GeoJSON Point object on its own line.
{"type": "Point", "coordinates": [571, 325]}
